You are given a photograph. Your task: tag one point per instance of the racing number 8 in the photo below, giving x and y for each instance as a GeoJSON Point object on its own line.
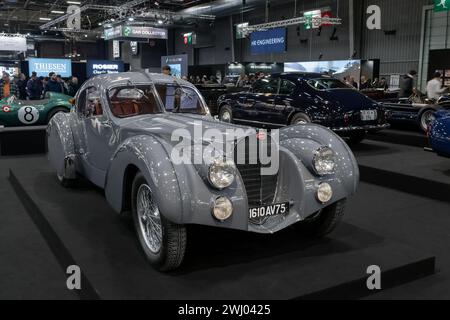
{"type": "Point", "coordinates": [29, 116]}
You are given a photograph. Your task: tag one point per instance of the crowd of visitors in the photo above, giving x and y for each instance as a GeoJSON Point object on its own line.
{"type": "Point", "coordinates": [36, 87]}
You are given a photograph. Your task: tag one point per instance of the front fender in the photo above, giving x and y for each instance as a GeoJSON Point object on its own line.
{"type": "Point", "coordinates": [149, 156]}
{"type": "Point", "coordinates": [61, 146]}
{"type": "Point", "coordinates": [304, 140]}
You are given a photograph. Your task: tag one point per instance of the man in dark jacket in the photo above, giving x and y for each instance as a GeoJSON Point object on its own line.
{"type": "Point", "coordinates": [22, 86]}
{"type": "Point", "coordinates": [34, 87]}
{"type": "Point", "coordinates": [53, 85]}
{"type": "Point", "coordinates": [407, 85]}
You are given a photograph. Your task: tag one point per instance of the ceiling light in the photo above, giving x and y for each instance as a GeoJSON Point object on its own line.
{"type": "Point", "coordinates": [74, 2]}
{"type": "Point", "coordinates": [45, 19]}
{"type": "Point", "coordinates": [57, 12]}
{"type": "Point", "coordinates": [99, 23]}
{"type": "Point", "coordinates": [130, 19]}
{"type": "Point", "coordinates": [160, 22]}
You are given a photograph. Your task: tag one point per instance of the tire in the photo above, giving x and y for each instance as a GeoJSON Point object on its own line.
{"type": "Point", "coordinates": [424, 119]}
{"type": "Point", "coordinates": [66, 183]}
{"type": "Point", "coordinates": [165, 249]}
{"type": "Point", "coordinates": [324, 222]}
{"type": "Point", "coordinates": [226, 114]}
{"type": "Point", "coordinates": [54, 111]}
{"type": "Point", "coordinates": [300, 118]}
{"type": "Point", "coordinates": [356, 137]}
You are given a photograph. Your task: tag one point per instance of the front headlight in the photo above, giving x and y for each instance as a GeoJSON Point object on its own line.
{"type": "Point", "coordinates": [324, 161]}
{"type": "Point", "coordinates": [221, 173]}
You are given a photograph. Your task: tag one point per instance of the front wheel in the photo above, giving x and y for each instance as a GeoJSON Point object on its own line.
{"type": "Point", "coordinates": [426, 118]}
{"type": "Point", "coordinates": [226, 114]}
{"type": "Point", "coordinates": [325, 221]}
{"type": "Point", "coordinates": [163, 242]}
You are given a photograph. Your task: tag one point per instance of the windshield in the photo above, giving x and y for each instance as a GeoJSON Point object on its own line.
{"type": "Point", "coordinates": [133, 101]}
{"type": "Point", "coordinates": [327, 83]}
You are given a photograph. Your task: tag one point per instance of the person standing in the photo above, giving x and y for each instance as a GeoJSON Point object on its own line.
{"type": "Point", "coordinates": [22, 86]}
{"type": "Point", "coordinates": [73, 86]}
{"type": "Point", "coordinates": [53, 85]}
{"type": "Point", "coordinates": [7, 87]}
{"type": "Point", "coordinates": [434, 87]}
{"type": "Point", "coordinates": [64, 88]}
{"type": "Point", "coordinates": [407, 84]}
{"type": "Point", "coordinates": [167, 70]}
{"type": "Point", "coordinates": [34, 87]}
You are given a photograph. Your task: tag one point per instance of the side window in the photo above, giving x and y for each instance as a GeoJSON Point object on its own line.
{"type": "Point", "coordinates": [180, 99]}
{"type": "Point", "coordinates": [133, 101]}
{"type": "Point", "coordinates": [266, 86]}
{"type": "Point", "coordinates": [81, 102]}
{"type": "Point", "coordinates": [287, 87]}
{"type": "Point", "coordinates": [94, 106]}
{"type": "Point", "coordinates": [316, 84]}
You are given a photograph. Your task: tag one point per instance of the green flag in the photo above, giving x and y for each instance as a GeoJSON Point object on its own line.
{"type": "Point", "coordinates": [441, 5]}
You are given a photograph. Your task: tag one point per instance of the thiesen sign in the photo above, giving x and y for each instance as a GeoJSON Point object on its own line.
{"type": "Point", "coordinates": [43, 67]}
{"type": "Point", "coordinates": [95, 67]}
{"type": "Point", "coordinates": [269, 41]}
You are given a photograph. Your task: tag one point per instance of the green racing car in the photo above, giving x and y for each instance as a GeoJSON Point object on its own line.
{"type": "Point", "coordinates": [16, 113]}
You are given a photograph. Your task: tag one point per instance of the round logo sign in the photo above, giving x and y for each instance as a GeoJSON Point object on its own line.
{"type": "Point", "coordinates": [6, 109]}
{"type": "Point", "coordinates": [28, 115]}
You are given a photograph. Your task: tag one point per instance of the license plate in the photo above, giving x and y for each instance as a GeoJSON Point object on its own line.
{"type": "Point", "coordinates": [368, 115]}
{"type": "Point", "coordinates": [269, 210]}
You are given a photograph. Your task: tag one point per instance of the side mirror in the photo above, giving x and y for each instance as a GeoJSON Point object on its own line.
{"type": "Point", "coordinates": [72, 101]}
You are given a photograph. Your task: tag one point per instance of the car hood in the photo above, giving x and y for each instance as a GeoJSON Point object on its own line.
{"type": "Point", "coordinates": [191, 127]}
{"type": "Point", "coordinates": [349, 99]}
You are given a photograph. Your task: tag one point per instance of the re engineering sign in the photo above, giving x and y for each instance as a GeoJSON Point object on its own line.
{"type": "Point", "coordinates": [270, 41]}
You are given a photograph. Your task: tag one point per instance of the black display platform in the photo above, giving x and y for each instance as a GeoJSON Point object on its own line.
{"type": "Point", "coordinates": [22, 141]}
{"type": "Point", "coordinates": [404, 168]}
{"type": "Point", "coordinates": [81, 229]}
{"type": "Point", "coordinates": [404, 135]}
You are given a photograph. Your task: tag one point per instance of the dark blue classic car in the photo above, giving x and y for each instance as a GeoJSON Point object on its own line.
{"type": "Point", "coordinates": [294, 98]}
{"type": "Point", "coordinates": [439, 133]}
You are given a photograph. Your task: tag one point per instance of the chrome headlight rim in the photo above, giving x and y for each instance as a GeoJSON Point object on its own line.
{"type": "Point", "coordinates": [324, 153]}
{"type": "Point", "coordinates": [221, 164]}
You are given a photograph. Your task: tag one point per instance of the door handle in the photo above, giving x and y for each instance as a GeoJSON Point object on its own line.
{"type": "Point", "coordinates": [106, 124]}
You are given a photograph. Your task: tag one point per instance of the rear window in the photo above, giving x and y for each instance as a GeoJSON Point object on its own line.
{"type": "Point", "coordinates": [327, 83]}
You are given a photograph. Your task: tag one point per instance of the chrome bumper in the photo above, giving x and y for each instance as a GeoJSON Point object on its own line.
{"type": "Point", "coordinates": [362, 128]}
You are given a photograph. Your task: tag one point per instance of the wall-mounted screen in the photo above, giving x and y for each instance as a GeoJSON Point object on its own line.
{"type": "Point", "coordinates": [338, 68]}
{"type": "Point", "coordinates": [43, 67]}
{"type": "Point", "coordinates": [178, 64]}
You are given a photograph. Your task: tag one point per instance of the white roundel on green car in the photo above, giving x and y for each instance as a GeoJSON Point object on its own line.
{"type": "Point", "coordinates": [28, 115]}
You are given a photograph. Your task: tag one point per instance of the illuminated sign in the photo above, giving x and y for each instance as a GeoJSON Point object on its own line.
{"type": "Point", "coordinates": [269, 41]}
{"type": "Point", "coordinates": [240, 34]}
{"type": "Point", "coordinates": [313, 19]}
{"type": "Point", "coordinates": [190, 38]}
{"type": "Point", "coordinates": [43, 67]}
{"type": "Point", "coordinates": [95, 67]}
{"type": "Point", "coordinates": [124, 32]}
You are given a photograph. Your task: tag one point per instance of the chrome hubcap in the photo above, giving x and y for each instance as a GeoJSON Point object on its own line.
{"type": "Point", "coordinates": [226, 116]}
{"type": "Point", "coordinates": [427, 118]}
{"type": "Point", "coordinates": [149, 219]}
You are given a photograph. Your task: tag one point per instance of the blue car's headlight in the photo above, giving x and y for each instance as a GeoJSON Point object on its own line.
{"type": "Point", "coordinates": [324, 161]}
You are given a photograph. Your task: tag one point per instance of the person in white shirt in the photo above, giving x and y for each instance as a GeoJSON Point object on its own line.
{"type": "Point", "coordinates": [434, 87]}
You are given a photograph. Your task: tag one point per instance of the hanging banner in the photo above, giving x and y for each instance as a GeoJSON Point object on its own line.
{"type": "Point", "coordinates": [124, 32]}
{"type": "Point", "coordinates": [441, 5]}
{"type": "Point", "coordinates": [269, 41]}
{"type": "Point", "coordinates": [313, 19]}
{"type": "Point", "coordinates": [13, 43]}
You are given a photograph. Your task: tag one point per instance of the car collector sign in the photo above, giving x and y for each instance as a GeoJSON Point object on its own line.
{"type": "Point", "coordinates": [269, 41]}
